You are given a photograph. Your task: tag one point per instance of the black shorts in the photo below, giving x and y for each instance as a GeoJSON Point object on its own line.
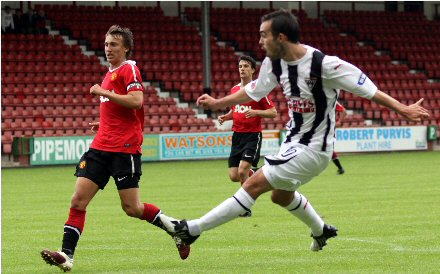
{"type": "Point", "coordinates": [98, 166]}
{"type": "Point", "coordinates": [246, 146]}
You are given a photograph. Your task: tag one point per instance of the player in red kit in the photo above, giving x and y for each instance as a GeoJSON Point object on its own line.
{"type": "Point", "coordinates": [247, 136]}
{"type": "Point", "coordinates": [335, 158]}
{"type": "Point", "coordinates": [115, 151]}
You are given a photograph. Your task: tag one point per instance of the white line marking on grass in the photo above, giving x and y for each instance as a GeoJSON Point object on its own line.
{"type": "Point", "coordinates": [393, 247]}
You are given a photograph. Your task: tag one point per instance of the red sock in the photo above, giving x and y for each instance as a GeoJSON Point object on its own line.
{"type": "Point", "coordinates": [77, 218]}
{"type": "Point", "coordinates": [71, 236]}
{"type": "Point", "coordinates": [150, 212]}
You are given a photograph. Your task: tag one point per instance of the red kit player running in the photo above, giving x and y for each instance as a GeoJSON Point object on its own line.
{"type": "Point", "coordinates": [115, 151]}
{"type": "Point", "coordinates": [247, 136]}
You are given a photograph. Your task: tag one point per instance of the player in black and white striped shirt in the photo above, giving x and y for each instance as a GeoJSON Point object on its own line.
{"type": "Point", "coordinates": [311, 82]}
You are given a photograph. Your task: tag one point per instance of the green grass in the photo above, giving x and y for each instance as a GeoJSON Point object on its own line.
{"type": "Point", "coordinates": [386, 207]}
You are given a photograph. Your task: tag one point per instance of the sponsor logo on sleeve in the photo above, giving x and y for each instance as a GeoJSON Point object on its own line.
{"type": "Point", "coordinates": [362, 79]}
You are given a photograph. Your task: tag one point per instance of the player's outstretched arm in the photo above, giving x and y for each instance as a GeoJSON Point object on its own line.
{"type": "Point", "coordinates": [414, 112]}
{"type": "Point", "coordinates": [208, 102]}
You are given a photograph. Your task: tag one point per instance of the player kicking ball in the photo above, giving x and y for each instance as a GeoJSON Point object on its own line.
{"type": "Point", "coordinates": [311, 82]}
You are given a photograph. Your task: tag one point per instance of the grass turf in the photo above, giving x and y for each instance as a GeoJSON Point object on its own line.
{"type": "Point", "coordinates": [386, 208]}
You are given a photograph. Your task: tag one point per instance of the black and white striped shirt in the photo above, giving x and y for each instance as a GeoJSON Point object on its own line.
{"type": "Point", "coordinates": [311, 86]}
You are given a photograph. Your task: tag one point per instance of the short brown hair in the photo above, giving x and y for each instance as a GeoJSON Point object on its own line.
{"type": "Point", "coordinates": [248, 59]}
{"type": "Point", "coordinates": [126, 34]}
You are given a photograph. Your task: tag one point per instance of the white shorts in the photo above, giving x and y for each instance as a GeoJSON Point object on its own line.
{"type": "Point", "coordinates": [294, 165]}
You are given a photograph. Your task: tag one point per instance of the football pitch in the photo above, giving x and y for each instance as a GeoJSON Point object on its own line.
{"type": "Point", "coordinates": [386, 207]}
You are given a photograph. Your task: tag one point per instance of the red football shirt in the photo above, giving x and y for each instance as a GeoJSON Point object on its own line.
{"type": "Point", "coordinates": [120, 128]}
{"type": "Point", "coordinates": [243, 124]}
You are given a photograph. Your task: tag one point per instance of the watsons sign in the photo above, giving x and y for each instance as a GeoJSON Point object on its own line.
{"type": "Point", "coordinates": [195, 145]}
{"type": "Point", "coordinates": [202, 145]}
{"type": "Point", "coordinates": [380, 139]}
{"type": "Point", "coordinates": [59, 150]}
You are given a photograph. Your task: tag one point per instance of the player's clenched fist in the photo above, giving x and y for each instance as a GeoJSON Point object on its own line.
{"type": "Point", "coordinates": [97, 90]}
{"type": "Point", "coordinates": [207, 102]}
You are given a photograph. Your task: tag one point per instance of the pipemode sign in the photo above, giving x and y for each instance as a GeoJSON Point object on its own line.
{"type": "Point", "coordinates": [59, 150]}
{"type": "Point", "coordinates": [68, 150]}
{"type": "Point", "coordinates": [381, 139]}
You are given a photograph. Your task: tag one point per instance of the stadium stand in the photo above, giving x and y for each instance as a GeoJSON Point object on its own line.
{"type": "Point", "coordinates": [239, 31]}
{"type": "Point", "coordinates": [39, 82]}
{"type": "Point", "coordinates": [165, 49]}
{"type": "Point", "coordinates": [401, 69]}
{"type": "Point", "coordinates": [44, 80]}
{"type": "Point", "coordinates": [411, 41]}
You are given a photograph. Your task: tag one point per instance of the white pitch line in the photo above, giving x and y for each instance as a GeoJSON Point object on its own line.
{"type": "Point", "coordinates": [392, 246]}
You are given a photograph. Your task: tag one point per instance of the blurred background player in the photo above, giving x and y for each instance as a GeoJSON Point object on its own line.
{"type": "Point", "coordinates": [340, 109]}
{"type": "Point", "coordinates": [247, 136]}
{"type": "Point", "coordinates": [311, 82]}
{"type": "Point", "coordinates": [115, 151]}
{"type": "Point", "coordinates": [7, 20]}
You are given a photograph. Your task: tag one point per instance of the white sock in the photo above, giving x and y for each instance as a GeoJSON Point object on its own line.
{"type": "Point", "coordinates": [303, 210]}
{"type": "Point", "coordinates": [230, 209]}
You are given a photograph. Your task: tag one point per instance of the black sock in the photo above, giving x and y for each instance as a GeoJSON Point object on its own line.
{"type": "Point", "coordinates": [337, 163]}
{"type": "Point", "coordinates": [70, 239]}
